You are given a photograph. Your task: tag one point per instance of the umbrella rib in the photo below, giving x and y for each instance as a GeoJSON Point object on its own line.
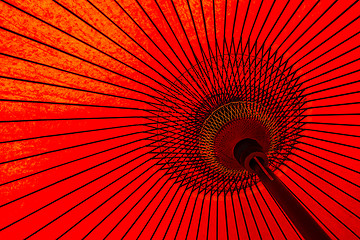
{"type": "Point", "coordinates": [79, 145]}
{"type": "Point", "coordinates": [117, 44]}
{"type": "Point", "coordinates": [183, 179]}
{"type": "Point", "coordinates": [232, 44]}
{"type": "Point", "coordinates": [252, 215]}
{"type": "Point", "coordinates": [243, 213]}
{"type": "Point", "coordinates": [338, 164]}
{"type": "Point", "coordinates": [112, 229]}
{"type": "Point", "coordinates": [156, 90]}
{"type": "Point", "coordinates": [73, 119]}
{"type": "Point", "coordinates": [328, 141]}
{"type": "Point", "coordinates": [237, 74]}
{"type": "Point", "coordinates": [59, 181]}
{"type": "Point", "coordinates": [325, 27]}
{"type": "Point", "coordinates": [260, 31]}
{"type": "Point", "coordinates": [252, 27]}
{"type": "Point", "coordinates": [181, 47]}
{"type": "Point", "coordinates": [277, 72]}
{"type": "Point", "coordinates": [77, 132]}
{"type": "Point", "coordinates": [209, 215]}
{"type": "Point", "coordinates": [183, 214]}
{"type": "Point", "coordinates": [81, 90]}
{"type": "Point", "coordinates": [287, 116]}
{"type": "Point", "coordinates": [142, 212]}
{"type": "Point", "coordinates": [257, 75]}
{"type": "Point", "coordinates": [240, 41]}
{"type": "Point", "coordinates": [211, 53]}
{"type": "Point", "coordinates": [176, 210]}
{"type": "Point", "coordinates": [348, 63]}
{"type": "Point", "coordinates": [216, 44]}
{"type": "Point", "coordinates": [185, 87]}
{"type": "Point", "coordinates": [335, 124]}
{"type": "Point", "coordinates": [186, 36]}
{"type": "Point", "coordinates": [226, 216]}
{"type": "Point", "coordinates": [200, 215]}
{"type": "Point", "coordinates": [284, 26]}
{"type": "Point", "coordinates": [234, 214]}
{"type": "Point", "coordinates": [122, 30]}
{"type": "Point", "coordinates": [268, 77]}
{"type": "Point", "coordinates": [276, 86]}
{"type": "Point", "coordinates": [191, 129]}
{"type": "Point", "coordinates": [333, 69]}
{"type": "Point", "coordinates": [323, 179]}
{"type": "Point", "coordinates": [80, 75]}
{"type": "Point", "coordinates": [242, 30]}
{"type": "Point", "coordinates": [217, 48]}
{"type": "Point", "coordinates": [46, 225]}
{"type": "Point", "coordinates": [224, 37]}
{"type": "Point", "coordinates": [333, 87]}
{"type": "Point", "coordinates": [218, 54]}
{"type": "Point", "coordinates": [333, 114]}
{"type": "Point", "coordinates": [172, 218]}
{"type": "Point", "coordinates": [307, 29]}
{"type": "Point", "coordinates": [199, 63]}
{"type": "Point", "coordinates": [271, 212]}
{"type": "Point", "coordinates": [178, 188]}
{"type": "Point", "coordinates": [133, 150]}
{"type": "Point", "coordinates": [226, 86]}
{"type": "Point", "coordinates": [84, 90]}
{"type": "Point", "coordinates": [323, 190]}
{"type": "Point", "coordinates": [319, 203]}
{"type": "Point", "coordinates": [66, 162]}
{"type": "Point", "coordinates": [157, 207]}
{"type": "Point", "coordinates": [296, 112]}
{"type": "Point", "coordinates": [328, 150]}
{"type": "Point", "coordinates": [80, 58]}
{"type": "Point", "coordinates": [94, 180]}
{"type": "Point", "coordinates": [261, 212]}
{"type": "Point", "coordinates": [168, 206]}
{"type": "Point", "coordinates": [322, 28]}
{"type": "Point", "coordinates": [331, 172]}
{"type": "Point", "coordinates": [285, 216]}
{"type": "Point", "coordinates": [332, 96]}
{"type": "Point", "coordinates": [76, 104]}
{"type": "Point", "coordinates": [222, 86]}
{"type": "Point", "coordinates": [205, 59]}
{"type": "Point", "coordinates": [265, 78]}
{"type": "Point", "coordinates": [295, 95]}
{"type": "Point", "coordinates": [60, 165]}
{"type": "Point", "coordinates": [185, 68]}
{"type": "Point", "coordinates": [334, 47]}
{"type": "Point", "coordinates": [272, 28]}
{"type": "Point", "coordinates": [217, 216]}
{"type": "Point", "coordinates": [289, 88]}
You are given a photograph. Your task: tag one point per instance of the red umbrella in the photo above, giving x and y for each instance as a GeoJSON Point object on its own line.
{"type": "Point", "coordinates": [119, 118]}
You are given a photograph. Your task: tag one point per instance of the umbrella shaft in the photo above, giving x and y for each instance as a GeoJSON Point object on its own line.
{"type": "Point", "coordinates": [298, 215]}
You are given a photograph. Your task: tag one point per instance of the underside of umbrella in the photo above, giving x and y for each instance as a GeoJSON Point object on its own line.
{"type": "Point", "coordinates": [119, 118]}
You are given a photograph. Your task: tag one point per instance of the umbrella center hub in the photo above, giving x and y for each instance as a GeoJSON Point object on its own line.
{"type": "Point", "coordinates": [228, 125]}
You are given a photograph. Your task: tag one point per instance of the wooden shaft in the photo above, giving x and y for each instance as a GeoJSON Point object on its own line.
{"type": "Point", "coordinates": [298, 215]}
{"type": "Point", "coordinates": [250, 155]}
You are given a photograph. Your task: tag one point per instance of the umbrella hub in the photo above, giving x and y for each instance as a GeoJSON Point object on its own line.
{"type": "Point", "coordinates": [230, 124]}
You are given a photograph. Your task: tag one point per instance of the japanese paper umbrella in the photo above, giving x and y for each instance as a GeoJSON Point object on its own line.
{"type": "Point", "coordinates": [119, 119]}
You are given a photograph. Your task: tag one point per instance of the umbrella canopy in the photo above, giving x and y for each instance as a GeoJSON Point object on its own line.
{"type": "Point", "coordinates": [119, 118]}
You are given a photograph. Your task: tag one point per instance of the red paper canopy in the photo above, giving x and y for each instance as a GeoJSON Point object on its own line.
{"type": "Point", "coordinates": [117, 117]}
